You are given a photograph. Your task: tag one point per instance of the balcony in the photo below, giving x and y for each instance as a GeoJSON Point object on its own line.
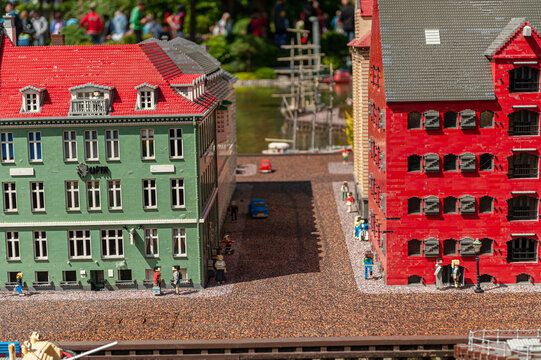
{"type": "Point", "coordinates": [529, 128]}
{"type": "Point", "coordinates": [89, 107]}
{"type": "Point", "coordinates": [523, 213]}
{"type": "Point", "coordinates": [524, 172]}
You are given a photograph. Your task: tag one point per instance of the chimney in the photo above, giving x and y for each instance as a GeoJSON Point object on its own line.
{"type": "Point", "coordinates": [58, 40]}
{"type": "Point", "coordinates": [9, 29]}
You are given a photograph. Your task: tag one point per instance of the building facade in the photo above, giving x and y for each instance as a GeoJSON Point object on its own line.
{"type": "Point", "coordinates": [109, 157]}
{"type": "Point", "coordinates": [454, 141]}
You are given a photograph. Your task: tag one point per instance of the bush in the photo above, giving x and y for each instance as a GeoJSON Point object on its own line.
{"type": "Point", "coordinates": [265, 73]}
{"type": "Point", "coordinates": [239, 28]}
{"type": "Point", "coordinates": [246, 76]}
{"type": "Point", "coordinates": [75, 35]}
{"type": "Point", "coordinates": [334, 43]}
{"type": "Point", "coordinates": [336, 62]}
{"type": "Point", "coordinates": [219, 48]}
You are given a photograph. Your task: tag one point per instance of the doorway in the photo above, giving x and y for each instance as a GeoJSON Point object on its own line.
{"type": "Point", "coordinates": [97, 280]}
{"type": "Point", "coordinates": [447, 277]}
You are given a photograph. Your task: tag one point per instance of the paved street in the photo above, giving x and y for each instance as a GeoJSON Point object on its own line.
{"type": "Point", "coordinates": [291, 277]}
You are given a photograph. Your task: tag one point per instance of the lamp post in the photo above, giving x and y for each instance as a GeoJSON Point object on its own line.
{"type": "Point", "coordinates": [477, 247]}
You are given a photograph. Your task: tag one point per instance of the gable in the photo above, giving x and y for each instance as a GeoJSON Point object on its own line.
{"type": "Point", "coordinates": [516, 45]}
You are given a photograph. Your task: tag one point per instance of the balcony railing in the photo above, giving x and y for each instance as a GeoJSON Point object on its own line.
{"type": "Point", "coordinates": [88, 107]}
{"type": "Point", "coordinates": [524, 171]}
{"type": "Point", "coordinates": [522, 214]}
{"type": "Point", "coordinates": [525, 128]}
{"type": "Point", "coordinates": [522, 255]}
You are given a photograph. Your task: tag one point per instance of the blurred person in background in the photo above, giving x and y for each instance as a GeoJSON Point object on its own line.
{"type": "Point", "coordinates": [137, 21]}
{"type": "Point", "coordinates": [119, 25]}
{"type": "Point", "coordinates": [347, 18]}
{"type": "Point", "coordinates": [27, 33]}
{"type": "Point", "coordinates": [257, 24]}
{"type": "Point", "coordinates": [10, 10]}
{"type": "Point", "coordinates": [57, 24]}
{"type": "Point", "coordinates": [93, 24]}
{"type": "Point", "coordinates": [281, 23]}
{"type": "Point", "coordinates": [152, 27]}
{"type": "Point", "coordinates": [223, 26]}
{"type": "Point", "coordinates": [176, 21]}
{"type": "Point", "coordinates": [41, 28]}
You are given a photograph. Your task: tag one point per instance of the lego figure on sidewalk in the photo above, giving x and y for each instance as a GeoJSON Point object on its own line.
{"type": "Point", "coordinates": [358, 227]}
{"type": "Point", "coordinates": [228, 245]}
{"type": "Point", "coordinates": [219, 265]}
{"type": "Point", "coordinates": [345, 191]}
{"type": "Point", "coordinates": [364, 230]}
{"type": "Point", "coordinates": [19, 287]}
{"type": "Point", "coordinates": [438, 274]}
{"type": "Point", "coordinates": [234, 210]}
{"type": "Point", "coordinates": [349, 201]}
{"type": "Point", "coordinates": [455, 271]}
{"type": "Point", "coordinates": [176, 278]}
{"type": "Point", "coordinates": [157, 289]}
{"type": "Point", "coordinates": [345, 156]}
{"type": "Point", "coordinates": [368, 263]}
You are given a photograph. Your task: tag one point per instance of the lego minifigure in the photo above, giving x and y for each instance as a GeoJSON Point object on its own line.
{"type": "Point", "coordinates": [438, 274]}
{"type": "Point", "coordinates": [349, 201]}
{"type": "Point", "coordinates": [219, 265]}
{"type": "Point", "coordinates": [157, 289]}
{"type": "Point", "coordinates": [368, 263]}
{"type": "Point", "coordinates": [455, 271]}
{"type": "Point", "coordinates": [364, 230]}
{"type": "Point", "coordinates": [234, 210]}
{"type": "Point", "coordinates": [176, 278]}
{"type": "Point", "coordinates": [345, 190]}
{"type": "Point", "coordinates": [345, 156]}
{"type": "Point", "coordinates": [19, 287]}
{"type": "Point", "coordinates": [357, 226]}
{"type": "Point", "coordinates": [228, 244]}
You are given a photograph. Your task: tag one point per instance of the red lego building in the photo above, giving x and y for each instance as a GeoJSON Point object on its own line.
{"type": "Point", "coordinates": [454, 139]}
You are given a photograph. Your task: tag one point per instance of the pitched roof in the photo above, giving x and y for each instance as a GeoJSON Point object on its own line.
{"type": "Point", "coordinates": [504, 35]}
{"type": "Point", "coordinates": [456, 69]}
{"type": "Point", "coordinates": [122, 67]}
{"type": "Point", "coordinates": [363, 42]}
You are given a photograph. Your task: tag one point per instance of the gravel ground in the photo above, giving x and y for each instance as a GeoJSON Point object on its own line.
{"type": "Point", "coordinates": [292, 278]}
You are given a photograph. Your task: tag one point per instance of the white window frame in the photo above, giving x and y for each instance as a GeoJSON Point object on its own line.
{"type": "Point", "coordinates": [152, 243]}
{"type": "Point", "coordinates": [6, 145]}
{"type": "Point", "coordinates": [72, 193]}
{"type": "Point", "coordinates": [146, 99]}
{"type": "Point", "coordinates": [69, 138]}
{"type": "Point", "coordinates": [91, 145]}
{"type": "Point", "coordinates": [9, 191]}
{"type": "Point", "coordinates": [112, 145]}
{"type": "Point", "coordinates": [114, 192]}
{"type": "Point", "coordinates": [150, 189]}
{"type": "Point", "coordinates": [40, 245]}
{"type": "Point", "coordinates": [87, 244]}
{"type": "Point", "coordinates": [112, 235]}
{"type": "Point", "coordinates": [147, 144]}
{"type": "Point", "coordinates": [93, 195]}
{"type": "Point", "coordinates": [13, 243]}
{"type": "Point", "coordinates": [32, 102]}
{"type": "Point", "coordinates": [179, 242]}
{"type": "Point", "coordinates": [35, 146]}
{"type": "Point", "coordinates": [176, 145]}
{"type": "Point", "coordinates": [177, 190]}
{"type": "Point", "coordinates": [37, 196]}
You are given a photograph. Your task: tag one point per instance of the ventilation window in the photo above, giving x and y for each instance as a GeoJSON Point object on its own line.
{"type": "Point", "coordinates": [432, 163]}
{"type": "Point", "coordinates": [432, 36]}
{"type": "Point", "coordinates": [415, 280]}
{"type": "Point", "coordinates": [467, 205]}
{"type": "Point", "coordinates": [432, 120]}
{"type": "Point", "coordinates": [450, 162]}
{"type": "Point", "coordinates": [432, 205]}
{"type": "Point", "coordinates": [486, 162]}
{"type": "Point", "coordinates": [414, 163]}
{"type": "Point", "coordinates": [523, 278]}
{"type": "Point", "coordinates": [468, 119]}
{"type": "Point", "coordinates": [449, 247]}
{"type": "Point", "coordinates": [414, 205]}
{"type": "Point", "coordinates": [466, 247]}
{"type": "Point", "coordinates": [432, 247]}
{"type": "Point", "coordinates": [450, 120]}
{"type": "Point", "coordinates": [450, 205]}
{"type": "Point", "coordinates": [486, 119]}
{"type": "Point", "coordinates": [467, 162]}
{"type": "Point", "coordinates": [486, 279]}
{"type": "Point", "coordinates": [485, 205]}
{"type": "Point", "coordinates": [414, 247]}
{"type": "Point", "coordinates": [414, 120]}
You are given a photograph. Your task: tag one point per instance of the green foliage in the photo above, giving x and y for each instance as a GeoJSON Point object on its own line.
{"type": "Point", "coordinates": [75, 35]}
{"type": "Point", "coordinates": [336, 62]}
{"type": "Point", "coordinates": [349, 129]}
{"type": "Point", "coordinates": [335, 44]}
{"type": "Point", "coordinates": [219, 48]}
{"type": "Point", "coordinates": [265, 73]}
{"type": "Point", "coordinates": [246, 76]}
{"type": "Point", "coordinates": [240, 26]}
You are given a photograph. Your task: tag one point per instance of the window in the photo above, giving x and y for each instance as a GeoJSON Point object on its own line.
{"type": "Point", "coordinates": [522, 249]}
{"type": "Point", "coordinates": [486, 247]}
{"type": "Point", "coordinates": [415, 280]}
{"type": "Point", "coordinates": [79, 244]}
{"type": "Point", "coordinates": [468, 119]}
{"type": "Point", "coordinates": [34, 146]}
{"type": "Point", "coordinates": [524, 79]}
{"type": "Point", "coordinates": [486, 279]}
{"type": "Point", "coordinates": [466, 247]}
{"type": "Point", "coordinates": [125, 275]}
{"type": "Point", "coordinates": [93, 195]}
{"type": "Point", "coordinates": [40, 245]}
{"type": "Point", "coordinates": [149, 194]}
{"type": "Point", "coordinates": [12, 244]}
{"type": "Point", "coordinates": [72, 195]}
{"type": "Point", "coordinates": [414, 120]}
{"type": "Point", "coordinates": [485, 205]}
{"type": "Point", "coordinates": [147, 144]}
{"type": "Point", "coordinates": [38, 196]}
{"type": "Point", "coordinates": [414, 205]}
{"type": "Point", "coordinates": [523, 278]}
{"type": "Point", "coordinates": [467, 162]}
{"type": "Point", "coordinates": [450, 162]}
{"type": "Point", "coordinates": [523, 123]}
{"type": "Point", "coordinates": [450, 205]}
{"type": "Point", "coordinates": [91, 145]}
{"type": "Point", "coordinates": [414, 163]}
{"type": "Point", "coordinates": [31, 102]}
{"type": "Point", "coordinates": [146, 100]}
{"type": "Point", "coordinates": [112, 146]}
{"type": "Point", "coordinates": [414, 247]}
{"type": "Point", "coordinates": [42, 277]}
{"type": "Point", "coordinates": [486, 119]}
{"type": "Point", "coordinates": [432, 247]}
{"type": "Point", "coordinates": [450, 120]}
{"type": "Point", "coordinates": [432, 120]}
{"type": "Point", "coordinates": [10, 197]}
{"type": "Point", "coordinates": [449, 247]}
{"type": "Point", "coordinates": [467, 205]}
{"type": "Point", "coordinates": [70, 145]}
{"type": "Point", "coordinates": [6, 143]}
{"type": "Point", "coordinates": [179, 242]}
{"type": "Point", "coordinates": [486, 162]}
{"type": "Point", "coordinates": [112, 243]}
{"type": "Point", "coordinates": [177, 193]}
{"type": "Point", "coordinates": [382, 160]}
{"type": "Point", "coordinates": [522, 208]}
{"type": "Point", "coordinates": [432, 163]}
{"type": "Point", "coordinates": [523, 166]}
{"type": "Point", "coordinates": [69, 276]}
{"type": "Point", "coordinates": [175, 143]}
{"type": "Point", "coordinates": [115, 194]}
{"type": "Point", "coordinates": [432, 205]}
{"type": "Point", "coordinates": [382, 119]}
{"type": "Point", "coordinates": [151, 243]}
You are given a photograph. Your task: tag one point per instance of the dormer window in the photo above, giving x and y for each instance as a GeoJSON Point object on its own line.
{"type": "Point", "coordinates": [32, 99]}
{"type": "Point", "coordinates": [193, 90]}
{"type": "Point", "coordinates": [146, 97]}
{"type": "Point", "coordinates": [90, 99]}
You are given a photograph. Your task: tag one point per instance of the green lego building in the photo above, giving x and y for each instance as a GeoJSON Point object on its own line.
{"type": "Point", "coordinates": [109, 158]}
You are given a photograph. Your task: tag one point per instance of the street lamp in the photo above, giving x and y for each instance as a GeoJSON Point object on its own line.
{"type": "Point", "coordinates": [477, 247]}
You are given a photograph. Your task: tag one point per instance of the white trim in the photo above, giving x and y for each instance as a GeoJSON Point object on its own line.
{"type": "Point", "coordinates": [21, 172]}
{"type": "Point", "coordinates": [528, 150]}
{"type": "Point", "coordinates": [525, 62]}
{"type": "Point", "coordinates": [524, 192]}
{"type": "Point", "coordinates": [209, 205]}
{"type": "Point", "coordinates": [525, 234]}
{"type": "Point", "coordinates": [524, 106]}
{"type": "Point", "coordinates": [162, 169]}
{"type": "Point", "coordinates": [99, 223]}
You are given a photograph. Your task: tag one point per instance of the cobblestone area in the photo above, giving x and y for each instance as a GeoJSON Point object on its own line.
{"type": "Point", "coordinates": [292, 277]}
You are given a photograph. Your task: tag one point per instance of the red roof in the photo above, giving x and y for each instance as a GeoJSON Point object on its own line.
{"type": "Point", "coordinates": [362, 42]}
{"type": "Point", "coordinates": [366, 7]}
{"type": "Point", "coordinates": [58, 68]}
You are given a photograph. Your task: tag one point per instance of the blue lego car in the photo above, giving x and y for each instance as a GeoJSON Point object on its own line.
{"type": "Point", "coordinates": [258, 208]}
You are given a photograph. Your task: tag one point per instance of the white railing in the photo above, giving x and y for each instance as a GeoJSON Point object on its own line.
{"type": "Point", "coordinates": [89, 107]}
{"type": "Point", "coordinates": [495, 342]}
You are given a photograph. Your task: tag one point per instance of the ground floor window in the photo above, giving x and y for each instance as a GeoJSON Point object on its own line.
{"type": "Point", "coordinates": [69, 276]}
{"type": "Point", "coordinates": [522, 249]}
{"type": "Point", "coordinates": [42, 277]}
{"type": "Point", "coordinates": [79, 244]}
{"type": "Point", "coordinates": [125, 275]}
